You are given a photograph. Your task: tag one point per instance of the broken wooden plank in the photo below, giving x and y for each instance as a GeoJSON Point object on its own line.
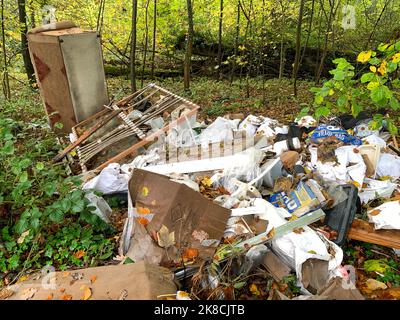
{"type": "Point", "coordinates": [364, 231]}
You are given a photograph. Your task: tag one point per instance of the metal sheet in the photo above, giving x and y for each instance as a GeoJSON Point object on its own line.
{"type": "Point", "coordinates": [85, 71]}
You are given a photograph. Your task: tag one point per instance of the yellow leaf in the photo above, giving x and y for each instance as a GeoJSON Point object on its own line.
{"type": "Point", "coordinates": [142, 210]}
{"type": "Point", "coordinates": [355, 183]}
{"type": "Point", "coordinates": [22, 237]}
{"type": "Point", "coordinates": [396, 57]}
{"type": "Point", "coordinates": [206, 181]}
{"type": "Point", "coordinates": [373, 284]}
{"type": "Point", "coordinates": [372, 68]}
{"type": "Point", "coordinates": [331, 92]}
{"type": "Point", "coordinates": [87, 294]}
{"type": "Point", "coordinates": [145, 191]}
{"type": "Point", "coordinates": [364, 56]}
{"type": "Point", "coordinates": [93, 279]}
{"type": "Point", "coordinates": [165, 239]}
{"type": "Point", "coordinates": [79, 254]}
{"type": "Point", "coordinates": [382, 68]}
{"type": "Point", "coordinates": [254, 290]}
{"type": "Point", "coordinates": [66, 297]}
{"type": "Point", "coordinates": [22, 279]}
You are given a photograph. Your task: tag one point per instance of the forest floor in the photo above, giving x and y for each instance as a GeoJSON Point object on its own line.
{"type": "Point", "coordinates": [273, 98]}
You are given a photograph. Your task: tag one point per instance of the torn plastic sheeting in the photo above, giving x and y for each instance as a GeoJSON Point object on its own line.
{"type": "Point", "coordinates": [110, 180]}
{"type": "Point", "coordinates": [389, 166]}
{"type": "Point", "coordinates": [374, 139]}
{"type": "Point", "coordinates": [341, 171]}
{"type": "Point", "coordinates": [296, 248]}
{"type": "Point", "coordinates": [220, 130]}
{"type": "Point", "coordinates": [141, 161]}
{"type": "Point", "coordinates": [386, 216]}
{"type": "Point", "coordinates": [325, 131]}
{"type": "Point", "coordinates": [234, 165]}
{"type": "Point", "coordinates": [102, 210]}
{"type": "Point", "coordinates": [306, 121]}
{"type": "Point", "coordinates": [376, 189]}
{"type": "Point", "coordinates": [362, 129]}
{"type": "Point", "coordinates": [250, 124]}
{"type": "Point", "coordinates": [264, 210]}
{"type": "Point", "coordinates": [247, 170]}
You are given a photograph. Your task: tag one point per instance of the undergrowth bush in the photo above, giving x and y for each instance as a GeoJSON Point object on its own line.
{"type": "Point", "coordinates": [44, 215]}
{"type": "Point", "coordinates": [376, 86]}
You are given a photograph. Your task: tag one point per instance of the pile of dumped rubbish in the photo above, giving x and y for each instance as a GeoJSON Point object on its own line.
{"type": "Point", "coordinates": [241, 208]}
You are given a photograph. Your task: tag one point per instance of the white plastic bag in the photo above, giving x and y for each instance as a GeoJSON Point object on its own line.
{"type": "Point", "coordinates": [342, 172]}
{"type": "Point", "coordinates": [375, 189]}
{"type": "Point", "coordinates": [110, 180]}
{"type": "Point", "coordinates": [389, 165]}
{"type": "Point", "coordinates": [220, 130]}
{"type": "Point", "coordinates": [386, 216]}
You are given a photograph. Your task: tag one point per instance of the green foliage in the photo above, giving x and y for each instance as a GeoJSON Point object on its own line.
{"type": "Point", "coordinates": [42, 211]}
{"type": "Point", "coordinates": [386, 269]}
{"type": "Point", "coordinates": [374, 89]}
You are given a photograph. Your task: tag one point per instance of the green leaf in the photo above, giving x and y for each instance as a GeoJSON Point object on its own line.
{"type": "Point", "coordinates": [25, 163]}
{"type": "Point", "coordinates": [391, 127]}
{"type": "Point", "coordinates": [239, 285]}
{"type": "Point", "coordinates": [78, 206]}
{"type": "Point", "coordinates": [40, 166]}
{"type": "Point", "coordinates": [56, 215]}
{"type": "Point", "coordinates": [49, 188]}
{"type": "Point", "coordinates": [23, 177]}
{"type": "Point", "coordinates": [319, 99]}
{"type": "Point", "coordinates": [380, 266]}
{"type": "Point", "coordinates": [374, 61]}
{"type": "Point", "coordinates": [382, 47]}
{"type": "Point", "coordinates": [367, 77]}
{"type": "Point", "coordinates": [391, 66]}
{"type": "Point", "coordinates": [377, 94]}
{"type": "Point", "coordinates": [339, 75]}
{"type": "Point", "coordinates": [355, 109]}
{"type": "Point", "coordinates": [322, 111]}
{"type": "Point", "coordinates": [8, 148]}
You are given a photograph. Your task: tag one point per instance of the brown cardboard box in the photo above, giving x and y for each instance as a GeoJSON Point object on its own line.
{"type": "Point", "coordinates": [135, 281]}
{"type": "Point", "coordinates": [179, 208]}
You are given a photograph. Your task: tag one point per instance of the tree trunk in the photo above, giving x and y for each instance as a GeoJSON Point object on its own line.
{"type": "Point", "coordinates": [330, 19]}
{"type": "Point", "coordinates": [6, 81]}
{"type": "Point", "coordinates": [308, 31]}
{"type": "Point", "coordinates": [189, 46]}
{"type": "Point", "coordinates": [146, 40]}
{"type": "Point", "coordinates": [153, 56]}
{"type": "Point", "coordinates": [236, 40]}
{"type": "Point", "coordinates": [24, 42]}
{"type": "Point", "coordinates": [133, 47]}
{"type": "Point", "coordinates": [221, 16]}
{"type": "Point", "coordinates": [298, 47]}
